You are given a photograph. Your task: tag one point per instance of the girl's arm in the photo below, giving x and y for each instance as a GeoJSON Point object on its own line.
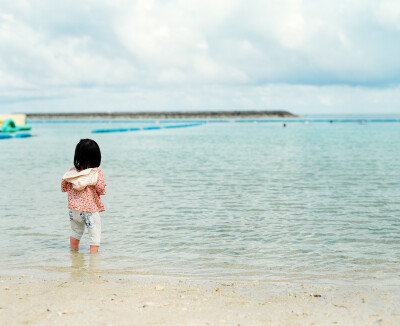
{"type": "Point", "coordinates": [65, 185]}
{"type": "Point", "coordinates": [101, 184]}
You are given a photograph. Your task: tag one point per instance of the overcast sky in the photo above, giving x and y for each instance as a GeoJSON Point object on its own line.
{"type": "Point", "coordinates": [310, 56]}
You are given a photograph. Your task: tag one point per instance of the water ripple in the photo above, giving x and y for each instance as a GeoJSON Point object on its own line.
{"type": "Point", "coordinates": [236, 200]}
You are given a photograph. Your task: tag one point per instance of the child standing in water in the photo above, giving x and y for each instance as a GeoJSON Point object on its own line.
{"type": "Point", "coordinates": [84, 184]}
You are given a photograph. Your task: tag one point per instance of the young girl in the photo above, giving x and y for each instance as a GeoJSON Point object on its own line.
{"type": "Point", "coordinates": [84, 184]}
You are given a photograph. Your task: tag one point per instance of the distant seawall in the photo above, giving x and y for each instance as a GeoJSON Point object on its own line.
{"type": "Point", "coordinates": [164, 115]}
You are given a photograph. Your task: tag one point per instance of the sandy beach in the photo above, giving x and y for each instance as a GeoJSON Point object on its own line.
{"type": "Point", "coordinates": [89, 298]}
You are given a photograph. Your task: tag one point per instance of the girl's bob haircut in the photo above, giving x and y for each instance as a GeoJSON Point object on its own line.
{"type": "Point", "coordinates": [87, 155]}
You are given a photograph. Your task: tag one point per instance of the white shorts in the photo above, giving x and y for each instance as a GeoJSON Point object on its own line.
{"type": "Point", "coordinates": [92, 221]}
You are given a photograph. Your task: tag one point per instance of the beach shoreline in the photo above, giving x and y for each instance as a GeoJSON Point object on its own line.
{"type": "Point", "coordinates": [90, 297]}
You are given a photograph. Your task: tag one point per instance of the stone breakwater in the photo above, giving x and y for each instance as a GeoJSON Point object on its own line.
{"type": "Point", "coordinates": [165, 115]}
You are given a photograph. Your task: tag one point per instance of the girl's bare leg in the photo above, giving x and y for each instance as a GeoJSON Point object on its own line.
{"type": "Point", "coordinates": [94, 249]}
{"type": "Point", "coordinates": [74, 243]}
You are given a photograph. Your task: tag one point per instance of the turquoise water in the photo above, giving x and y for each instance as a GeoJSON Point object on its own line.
{"type": "Point", "coordinates": [316, 202]}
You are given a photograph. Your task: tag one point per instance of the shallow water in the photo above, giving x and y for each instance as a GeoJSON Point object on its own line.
{"type": "Point", "coordinates": [316, 202]}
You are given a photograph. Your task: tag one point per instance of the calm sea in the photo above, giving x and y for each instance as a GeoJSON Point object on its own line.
{"type": "Point", "coordinates": [309, 202]}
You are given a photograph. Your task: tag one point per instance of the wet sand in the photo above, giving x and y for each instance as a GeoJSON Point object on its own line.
{"type": "Point", "coordinates": [89, 298]}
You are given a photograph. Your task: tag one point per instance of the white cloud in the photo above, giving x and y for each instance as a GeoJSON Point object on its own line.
{"type": "Point", "coordinates": [388, 13]}
{"type": "Point", "coordinates": [150, 54]}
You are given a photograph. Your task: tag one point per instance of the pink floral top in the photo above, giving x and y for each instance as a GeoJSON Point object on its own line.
{"type": "Point", "coordinates": [88, 199]}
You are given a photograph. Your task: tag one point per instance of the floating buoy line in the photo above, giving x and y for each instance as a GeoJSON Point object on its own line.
{"type": "Point", "coordinates": [108, 130]}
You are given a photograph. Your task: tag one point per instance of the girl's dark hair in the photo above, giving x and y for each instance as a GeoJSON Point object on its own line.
{"type": "Point", "coordinates": [87, 155]}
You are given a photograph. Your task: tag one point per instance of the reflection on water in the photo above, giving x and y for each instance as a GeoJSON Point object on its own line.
{"type": "Point", "coordinates": [84, 265]}
{"type": "Point", "coordinates": [312, 202]}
